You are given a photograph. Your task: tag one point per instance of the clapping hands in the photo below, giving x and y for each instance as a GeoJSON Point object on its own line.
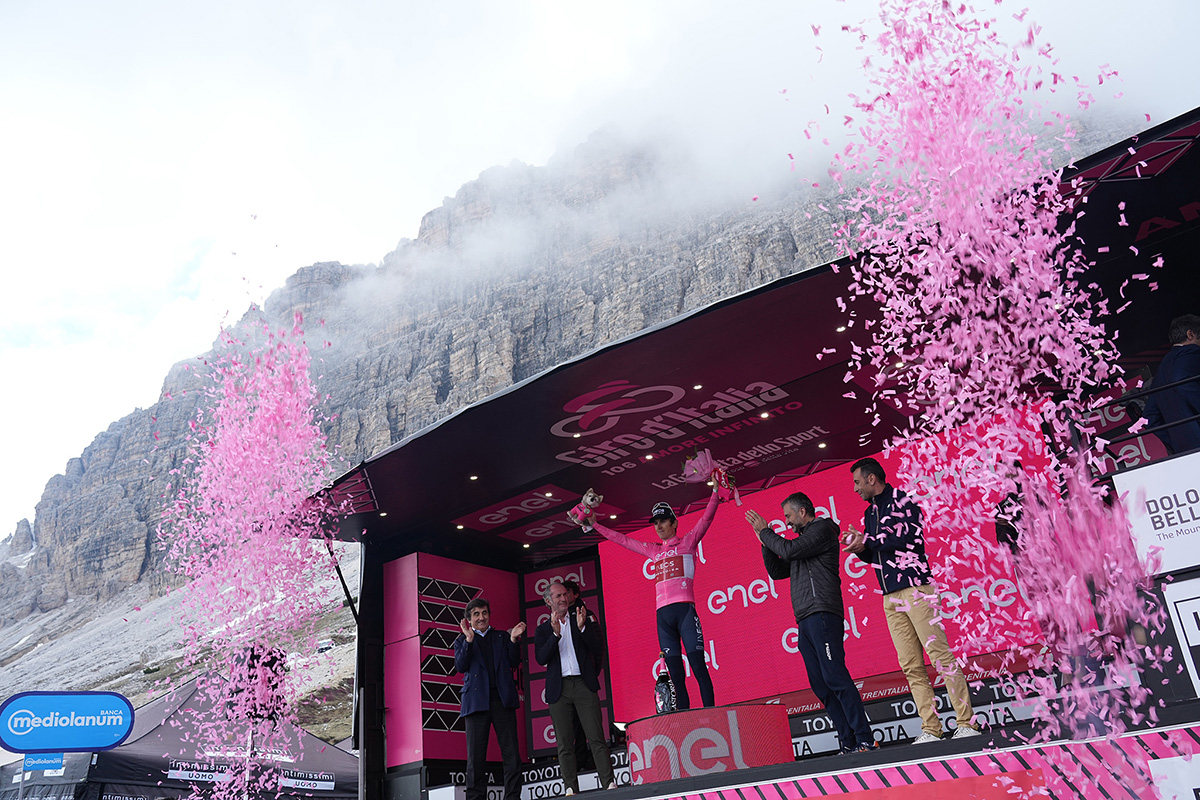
{"type": "Point", "coordinates": [853, 541]}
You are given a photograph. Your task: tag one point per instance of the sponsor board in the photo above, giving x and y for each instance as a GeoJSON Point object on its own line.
{"type": "Point", "coordinates": [1110, 422]}
{"type": "Point", "coordinates": [704, 741]}
{"type": "Point", "coordinates": [991, 669]}
{"type": "Point", "coordinates": [536, 583]}
{"type": "Point", "coordinates": [295, 779]}
{"type": "Point", "coordinates": [1183, 603]}
{"type": "Point", "coordinates": [1162, 502]}
{"type": "Point", "coordinates": [64, 722]}
{"type": "Point", "coordinates": [515, 509]}
{"type": "Point", "coordinates": [820, 738]}
{"type": "Point", "coordinates": [207, 771]}
{"type": "Point", "coordinates": [48, 762]}
{"type": "Point", "coordinates": [539, 782]}
{"type": "Point", "coordinates": [1176, 778]}
{"type": "Point", "coordinates": [259, 754]}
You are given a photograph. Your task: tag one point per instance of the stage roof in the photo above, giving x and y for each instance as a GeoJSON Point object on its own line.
{"type": "Point", "coordinates": [760, 377]}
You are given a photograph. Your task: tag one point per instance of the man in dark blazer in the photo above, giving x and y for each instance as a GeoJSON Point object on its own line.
{"type": "Point", "coordinates": [486, 657]}
{"type": "Point", "coordinates": [571, 649]}
{"type": "Point", "coordinates": [1181, 402]}
{"type": "Point", "coordinates": [583, 755]}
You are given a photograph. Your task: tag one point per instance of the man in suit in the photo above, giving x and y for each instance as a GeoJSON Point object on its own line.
{"type": "Point", "coordinates": [572, 650]}
{"type": "Point", "coordinates": [1181, 402]}
{"type": "Point", "coordinates": [486, 657]}
{"type": "Point", "coordinates": [583, 755]}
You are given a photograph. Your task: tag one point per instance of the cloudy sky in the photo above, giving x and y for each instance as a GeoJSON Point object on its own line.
{"type": "Point", "coordinates": [162, 165]}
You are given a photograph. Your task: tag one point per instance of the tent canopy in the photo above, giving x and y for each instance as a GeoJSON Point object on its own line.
{"type": "Point", "coordinates": [163, 739]}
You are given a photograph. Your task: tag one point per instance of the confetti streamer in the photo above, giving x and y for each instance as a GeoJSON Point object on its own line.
{"type": "Point", "coordinates": [246, 539]}
{"type": "Point", "coordinates": [984, 338]}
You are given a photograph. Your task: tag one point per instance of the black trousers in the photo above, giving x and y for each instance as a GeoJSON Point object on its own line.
{"type": "Point", "coordinates": [579, 702]}
{"type": "Point", "coordinates": [504, 720]}
{"type": "Point", "coordinates": [820, 644]}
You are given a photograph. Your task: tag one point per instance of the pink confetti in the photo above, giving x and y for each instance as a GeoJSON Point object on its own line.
{"type": "Point", "coordinates": [976, 296]}
{"type": "Point", "coordinates": [242, 531]}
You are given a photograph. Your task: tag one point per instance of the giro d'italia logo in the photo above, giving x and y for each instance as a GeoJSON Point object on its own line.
{"type": "Point", "coordinates": [600, 409]}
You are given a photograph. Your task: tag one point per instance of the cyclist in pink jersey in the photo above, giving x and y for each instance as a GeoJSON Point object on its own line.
{"type": "Point", "coordinates": [674, 571]}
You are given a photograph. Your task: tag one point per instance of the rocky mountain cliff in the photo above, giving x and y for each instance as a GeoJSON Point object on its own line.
{"type": "Point", "coordinates": [523, 268]}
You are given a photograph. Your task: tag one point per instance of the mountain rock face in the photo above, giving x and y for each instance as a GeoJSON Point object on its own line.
{"type": "Point", "coordinates": [524, 268]}
{"type": "Point", "coordinates": [22, 539]}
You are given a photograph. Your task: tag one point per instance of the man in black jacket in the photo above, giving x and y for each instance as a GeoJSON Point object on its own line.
{"type": "Point", "coordinates": [893, 543]}
{"type": "Point", "coordinates": [572, 650]}
{"type": "Point", "coordinates": [811, 561]}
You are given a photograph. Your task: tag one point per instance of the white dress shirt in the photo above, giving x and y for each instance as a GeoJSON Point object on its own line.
{"type": "Point", "coordinates": [566, 649]}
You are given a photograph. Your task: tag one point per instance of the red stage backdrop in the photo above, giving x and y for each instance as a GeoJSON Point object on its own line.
{"type": "Point", "coordinates": [749, 629]}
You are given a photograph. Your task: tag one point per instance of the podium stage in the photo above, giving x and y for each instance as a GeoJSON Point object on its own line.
{"type": "Point", "coordinates": [998, 764]}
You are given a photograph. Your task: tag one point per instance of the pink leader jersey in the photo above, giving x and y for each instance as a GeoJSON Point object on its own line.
{"type": "Point", "coordinates": [674, 559]}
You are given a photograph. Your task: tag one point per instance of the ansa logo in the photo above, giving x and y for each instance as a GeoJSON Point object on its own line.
{"type": "Point", "coordinates": [600, 409]}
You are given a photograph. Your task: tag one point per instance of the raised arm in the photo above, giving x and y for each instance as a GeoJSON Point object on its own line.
{"type": "Point", "coordinates": [545, 645]}
{"type": "Point", "coordinates": [636, 545]}
{"type": "Point", "coordinates": [462, 654]}
{"type": "Point", "coordinates": [591, 642]}
{"type": "Point", "coordinates": [710, 512]}
{"type": "Point", "coordinates": [818, 539]}
{"type": "Point", "coordinates": [777, 568]}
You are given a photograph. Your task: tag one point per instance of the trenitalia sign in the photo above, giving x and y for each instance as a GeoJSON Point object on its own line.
{"type": "Point", "coordinates": [64, 722]}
